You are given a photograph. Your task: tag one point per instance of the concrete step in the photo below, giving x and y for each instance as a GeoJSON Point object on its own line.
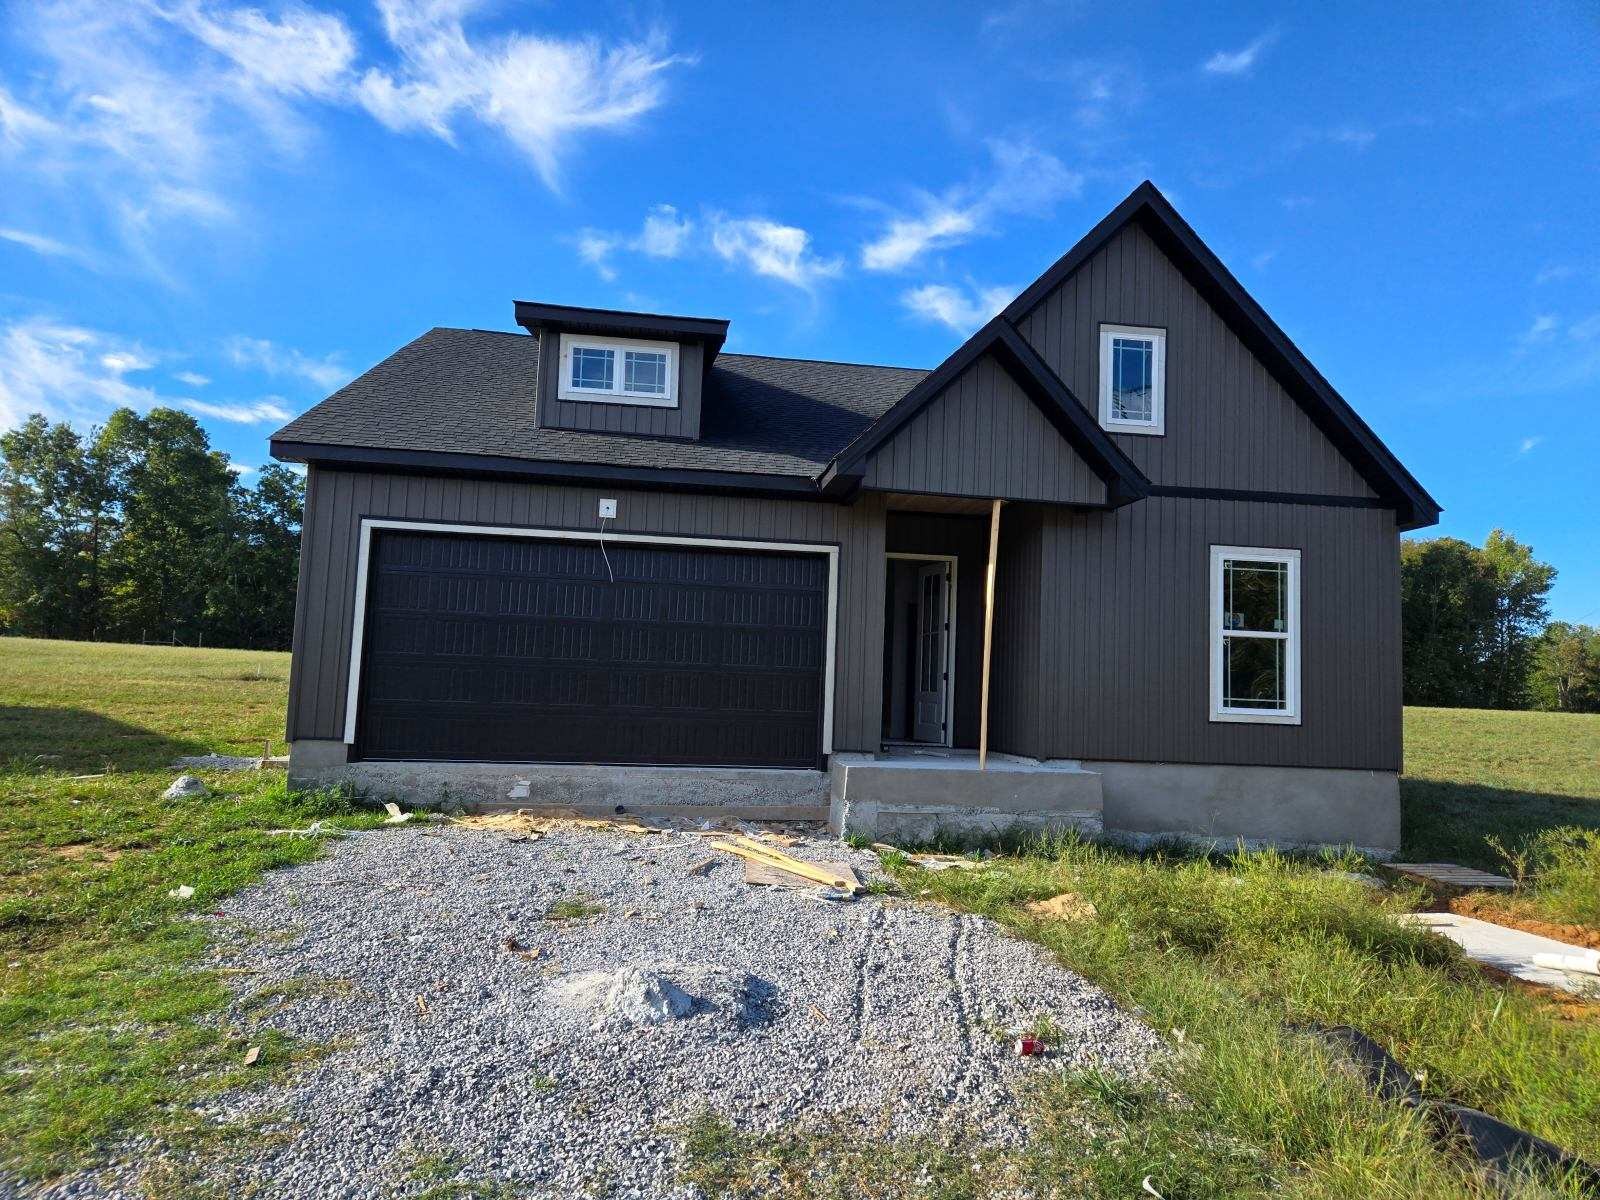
{"type": "Point", "coordinates": [915, 799]}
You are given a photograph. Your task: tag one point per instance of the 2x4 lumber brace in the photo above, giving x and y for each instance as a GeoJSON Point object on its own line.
{"type": "Point", "coordinates": [988, 632]}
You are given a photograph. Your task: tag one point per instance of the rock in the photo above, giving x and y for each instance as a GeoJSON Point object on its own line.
{"type": "Point", "coordinates": [184, 786]}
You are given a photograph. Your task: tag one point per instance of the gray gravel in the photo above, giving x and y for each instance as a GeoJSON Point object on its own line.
{"type": "Point", "coordinates": [886, 1010]}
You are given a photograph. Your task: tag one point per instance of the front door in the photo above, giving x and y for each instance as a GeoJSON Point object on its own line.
{"type": "Point", "coordinates": [932, 711]}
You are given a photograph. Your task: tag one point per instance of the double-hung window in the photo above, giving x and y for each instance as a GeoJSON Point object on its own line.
{"type": "Point", "coordinates": [614, 371]}
{"type": "Point", "coordinates": [1255, 635]}
{"type": "Point", "coordinates": [1133, 379]}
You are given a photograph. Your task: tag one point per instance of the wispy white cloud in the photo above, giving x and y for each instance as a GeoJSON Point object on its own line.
{"type": "Point", "coordinates": [1241, 61]}
{"type": "Point", "coordinates": [1024, 180]}
{"type": "Point", "coordinates": [158, 115]}
{"type": "Point", "coordinates": [1554, 273]}
{"type": "Point", "coordinates": [1585, 330]}
{"type": "Point", "coordinates": [326, 373]}
{"type": "Point", "coordinates": [39, 243]}
{"type": "Point", "coordinates": [771, 249]}
{"type": "Point", "coordinates": [192, 378]}
{"type": "Point", "coordinates": [1528, 443]}
{"type": "Point", "coordinates": [304, 52]}
{"type": "Point", "coordinates": [1543, 329]}
{"type": "Point", "coordinates": [540, 92]}
{"type": "Point", "coordinates": [664, 234]}
{"type": "Point", "coordinates": [1261, 261]}
{"type": "Point", "coordinates": [242, 469]}
{"type": "Point", "coordinates": [241, 413]}
{"type": "Point", "coordinates": [67, 372]}
{"type": "Point", "coordinates": [955, 308]}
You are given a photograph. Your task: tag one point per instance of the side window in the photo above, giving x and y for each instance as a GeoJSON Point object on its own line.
{"type": "Point", "coordinates": [1255, 635]}
{"type": "Point", "coordinates": [1133, 368]}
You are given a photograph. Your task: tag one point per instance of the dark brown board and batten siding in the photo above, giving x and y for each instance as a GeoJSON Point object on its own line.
{"type": "Point", "coordinates": [595, 417]}
{"type": "Point", "coordinates": [337, 500]}
{"type": "Point", "coordinates": [983, 437]}
{"type": "Point", "coordinates": [1229, 424]}
{"type": "Point", "coordinates": [1112, 611]}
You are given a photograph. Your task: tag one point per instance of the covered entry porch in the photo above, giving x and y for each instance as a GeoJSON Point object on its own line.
{"type": "Point", "coordinates": [943, 765]}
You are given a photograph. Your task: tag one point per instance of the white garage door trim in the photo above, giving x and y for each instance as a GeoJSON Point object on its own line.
{"type": "Point", "coordinates": [368, 524]}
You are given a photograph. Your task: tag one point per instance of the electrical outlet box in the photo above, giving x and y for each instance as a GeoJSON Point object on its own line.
{"type": "Point", "coordinates": [608, 508]}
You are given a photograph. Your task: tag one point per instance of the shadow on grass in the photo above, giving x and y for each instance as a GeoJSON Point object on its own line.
{"type": "Point", "coordinates": [74, 740]}
{"type": "Point", "coordinates": [1447, 821]}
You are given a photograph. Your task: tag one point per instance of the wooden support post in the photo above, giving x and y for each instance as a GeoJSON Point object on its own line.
{"type": "Point", "coordinates": [988, 633]}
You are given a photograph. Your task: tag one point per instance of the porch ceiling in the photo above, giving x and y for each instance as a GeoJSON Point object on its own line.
{"type": "Point", "coordinates": [916, 502]}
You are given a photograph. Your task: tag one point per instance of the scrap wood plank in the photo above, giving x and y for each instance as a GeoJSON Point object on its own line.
{"type": "Point", "coordinates": [1452, 875]}
{"type": "Point", "coordinates": [764, 874]}
{"type": "Point", "coordinates": [746, 848]}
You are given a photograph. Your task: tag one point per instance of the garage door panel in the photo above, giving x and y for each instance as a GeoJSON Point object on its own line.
{"type": "Point", "coordinates": [512, 649]}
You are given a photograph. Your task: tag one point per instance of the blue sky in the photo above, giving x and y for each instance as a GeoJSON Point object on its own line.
{"type": "Point", "coordinates": [233, 208]}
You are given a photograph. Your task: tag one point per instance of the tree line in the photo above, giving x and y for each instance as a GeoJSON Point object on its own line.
{"type": "Point", "coordinates": [1477, 633]}
{"type": "Point", "coordinates": [138, 531]}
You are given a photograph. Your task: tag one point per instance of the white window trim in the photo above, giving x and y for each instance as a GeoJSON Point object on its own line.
{"type": "Point", "coordinates": [1157, 425]}
{"type": "Point", "coordinates": [1255, 716]}
{"type": "Point", "coordinates": [615, 394]}
{"type": "Point", "coordinates": [358, 621]}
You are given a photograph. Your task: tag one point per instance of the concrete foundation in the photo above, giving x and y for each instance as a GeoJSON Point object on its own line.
{"type": "Point", "coordinates": [720, 791]}
{"type": "Point", "coordinates": [915, 799]}
{"type": "Point", "coordinates": [1281, 806]}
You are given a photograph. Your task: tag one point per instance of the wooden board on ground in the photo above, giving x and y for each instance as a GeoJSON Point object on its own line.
{"type": "Point", "coordinates": [1452, 876]}
{"type": "Point", "coordinates": [766, 875]}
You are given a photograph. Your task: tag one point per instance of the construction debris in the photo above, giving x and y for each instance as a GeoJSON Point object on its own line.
{"type": "Point", "coordinates": [946, 862]}
{"type": "Point", "coordinates": [396, 817]}
{"type": "Point", "coordinates": [252, 1055]}
{"type": "Point", "coordinates": [315, 829]}
{"type": "Point", "coordinates": [1450, 877]}
{"type": "Point", "coordinates": [1583, 962]}
{"type": "Point", "coordinates": [182, 892]}
{"type": "Point", "coordinates": [752, 850]}
{"type": "Point", "coordinates": [185, 786]}
{"type": "Point", "coordinates": [1068, 906]}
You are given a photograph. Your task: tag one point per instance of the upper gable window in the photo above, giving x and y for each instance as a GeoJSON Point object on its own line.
{"type": "Point", "coordinates": [614, 371]}
{"type": "Point", "coordinates": [1133, 385]}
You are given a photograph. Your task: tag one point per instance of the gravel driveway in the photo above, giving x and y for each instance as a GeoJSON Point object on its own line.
{"type": "Point", "coordinates": [478, 1020]}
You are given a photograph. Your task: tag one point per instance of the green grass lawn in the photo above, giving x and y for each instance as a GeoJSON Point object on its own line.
{"type": "Point", "coordinates": [98, 998]}
{"type": "Point", "coordinates": [101, 1004]}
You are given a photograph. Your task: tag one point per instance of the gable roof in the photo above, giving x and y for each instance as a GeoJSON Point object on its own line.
{"type": "Point", "coordinates": [465, 397]}
{"type": "Point", "coordinates": [1328, 410]}
{"type": "Point", "coordinates": [1124, 481]}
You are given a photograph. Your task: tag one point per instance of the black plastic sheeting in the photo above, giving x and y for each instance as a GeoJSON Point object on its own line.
{"type": "Point", "coordinates": [1504, 1148]}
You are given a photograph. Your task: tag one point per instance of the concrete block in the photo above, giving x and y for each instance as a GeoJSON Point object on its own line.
{"type": "Point", "coordinates": [911, 800]}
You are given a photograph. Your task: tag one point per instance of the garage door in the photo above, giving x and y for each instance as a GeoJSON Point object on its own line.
{"type": "Point", "coordinates": [515, 649]}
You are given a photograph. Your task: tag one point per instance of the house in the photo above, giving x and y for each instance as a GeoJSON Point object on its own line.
{"type": "Point", "coordinates": [1125, 558]}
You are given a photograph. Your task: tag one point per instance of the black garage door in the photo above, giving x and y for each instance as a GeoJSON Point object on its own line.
{"type": "Point", "coordinates": [513, 649]}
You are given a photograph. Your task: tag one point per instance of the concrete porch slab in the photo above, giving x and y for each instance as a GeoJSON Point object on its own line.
{"type": "Point", "coordinates": [913, 797]}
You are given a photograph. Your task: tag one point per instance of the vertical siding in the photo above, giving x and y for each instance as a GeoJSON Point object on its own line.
{"type": "Point", "coordinates": [1124, 636]}
{"type": "Point", "coordinates": [983, 437]}
{"type": "Point", "coordinates": [1228, 422]}
{"type": "Point", "coordinates": [1017, 722]}
{"type": "Point", "coordinates": [337, 500]}
{"type": "Point", "coordinates": [680, 422]}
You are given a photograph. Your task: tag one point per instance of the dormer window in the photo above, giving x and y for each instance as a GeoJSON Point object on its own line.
{"type": "Point", "coordinates": [1133, 383]}
{"type": "Point", "coordinates": [617, 371]}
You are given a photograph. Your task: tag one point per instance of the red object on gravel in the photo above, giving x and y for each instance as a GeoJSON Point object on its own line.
{"type": "Point", "coordinates": [1027, 1047]}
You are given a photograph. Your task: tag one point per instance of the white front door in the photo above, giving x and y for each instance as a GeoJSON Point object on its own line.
{"type": "Point", "coordinates": [932, 711]}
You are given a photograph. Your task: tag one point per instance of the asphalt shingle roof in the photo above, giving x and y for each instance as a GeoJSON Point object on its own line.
{"type": "Point", "coordinates": [471, 391]}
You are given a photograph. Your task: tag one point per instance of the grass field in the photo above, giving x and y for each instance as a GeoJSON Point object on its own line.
{"type": "Point", "coordinates": [100, 1012]}
{"type": "Point", "coordinates": [106, 1026]}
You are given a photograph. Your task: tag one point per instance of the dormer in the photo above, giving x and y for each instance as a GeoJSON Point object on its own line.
{"type": "Point", "coordinates": [606, 371]}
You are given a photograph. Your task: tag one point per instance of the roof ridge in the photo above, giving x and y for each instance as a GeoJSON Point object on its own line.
{"type": "Point", "coordinates": [831, 362]}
